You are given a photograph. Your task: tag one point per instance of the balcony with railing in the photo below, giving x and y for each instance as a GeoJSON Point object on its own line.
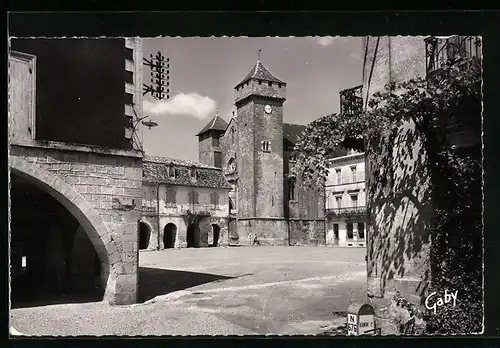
{"type": "Point", "coordinates": [440, 51]}
{"type": "Point", "coordinates": [346, 211]}
{"type": "Point", "coordinates": [351, 100]}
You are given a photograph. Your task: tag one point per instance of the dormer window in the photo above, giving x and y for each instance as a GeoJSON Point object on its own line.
{"type": "Point", "coordinates": [171, 172]}
{"type": "Point", "coordinates": [266, 146]}
{"type": "Point", "coordinates": [193, 174]}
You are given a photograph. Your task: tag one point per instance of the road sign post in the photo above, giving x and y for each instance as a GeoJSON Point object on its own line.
{"type": "Point", "coordinates": [360, 319]}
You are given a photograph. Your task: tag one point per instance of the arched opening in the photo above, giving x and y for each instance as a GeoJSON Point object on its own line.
{"type": "Point", "coordinates": [215, 235]}
{"type": "Point", "coordinates": [53, 259]}
{"type": "Point", "coordinates": [169, 235]}
{"type": "Point", "coordinates": [193, 236]}
{"type": "Point", "coordinates": [144, 235]}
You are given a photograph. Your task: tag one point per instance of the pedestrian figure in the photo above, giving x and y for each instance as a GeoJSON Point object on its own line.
{"type": "Point", "coordinates": [255, 240]}
{"type": "Point", "coordinates": [250, 236]}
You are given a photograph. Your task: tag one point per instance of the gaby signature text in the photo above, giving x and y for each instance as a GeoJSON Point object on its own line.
{"type": "Point", "coordinates": [433, 301]}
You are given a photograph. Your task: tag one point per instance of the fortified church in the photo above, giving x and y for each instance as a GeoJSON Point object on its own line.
{"type": "Point", "coordinates": [249, 159]}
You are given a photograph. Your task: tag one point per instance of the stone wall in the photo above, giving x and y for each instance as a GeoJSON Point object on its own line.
{"type": "Point", "coordinates": [399, 201]}
{"type": "Point", "coordinates": [307, 232]}
{"type": "Point", "coordinates": [268, 231]}
{"type": "Point", "coordinates": [103, 190]}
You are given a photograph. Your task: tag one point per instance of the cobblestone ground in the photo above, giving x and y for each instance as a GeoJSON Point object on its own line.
{"type": "Point", "coordinates": [220, 291]}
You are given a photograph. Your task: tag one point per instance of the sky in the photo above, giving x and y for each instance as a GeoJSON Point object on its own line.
{"type": "Point", "coordinates": [204, 72]}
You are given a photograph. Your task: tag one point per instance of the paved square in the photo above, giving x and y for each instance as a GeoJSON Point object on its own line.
{"type": "Point", "coordinates": [220, 291]}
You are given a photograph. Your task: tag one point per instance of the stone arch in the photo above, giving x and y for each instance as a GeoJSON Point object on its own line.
{"type": "Point", "coordinates": [215, 234]}
{"type": "Point", "coordinates": [169, 235]}
{"type": "Point", "coordinates": [144, 235]}
{"type": "Point", "coordinates": [83, 212]}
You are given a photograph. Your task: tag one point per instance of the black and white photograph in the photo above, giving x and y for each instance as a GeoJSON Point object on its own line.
{"type": "Point", "coordinates": [245, 186]}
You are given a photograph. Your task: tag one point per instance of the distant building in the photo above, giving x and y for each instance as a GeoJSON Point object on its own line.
{"type": "Point", "coordinates": [185, 204]}
{"type": "Point", "coordinates": [75, 168]}
{"type": "Point", "coordinates": [346, 201]}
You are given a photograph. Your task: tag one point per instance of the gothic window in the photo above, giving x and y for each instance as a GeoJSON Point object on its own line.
{"type": "Point", "coordinates": [170, 196]}
{"type": "Point", "coordinates": [291, 189]}
{"type": "Point", "coordinates": [218, 159]}
{"type": "Point", "coordinates": [214, 200]}
{"type": "Point", "coordinates": [193, 197]}
{"type": "Point", "coordinates": [266, 146]}
{"type": "Point", "coordinates": [232, 135]}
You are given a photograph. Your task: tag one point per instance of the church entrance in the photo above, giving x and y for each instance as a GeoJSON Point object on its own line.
{"type": "Point", "coordinates": [193, 236]}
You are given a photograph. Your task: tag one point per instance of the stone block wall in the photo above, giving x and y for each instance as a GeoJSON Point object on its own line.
{"type": "Point", "coordinates": [307, 232]}
{"type": "Point", "coordinates": [268, 231]}
{"type": "Point", "coordinates": [398, 192]}
{"type": "Point", "coordinates": [103, 190]}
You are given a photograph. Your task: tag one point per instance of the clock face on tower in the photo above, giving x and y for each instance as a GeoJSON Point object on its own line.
{"type": "Point", "coordinates": [268, 109]}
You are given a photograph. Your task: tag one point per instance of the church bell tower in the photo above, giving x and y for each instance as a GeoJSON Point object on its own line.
{"type": "Point", "coordinates": [259, 101]}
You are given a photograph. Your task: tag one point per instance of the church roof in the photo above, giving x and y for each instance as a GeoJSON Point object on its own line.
{"type": "Point", "coordinates": [156, 170]}
{"type": "Point", "coordinates": [260, 72]}
{"type": "Point", "coordinates": [217, 123]}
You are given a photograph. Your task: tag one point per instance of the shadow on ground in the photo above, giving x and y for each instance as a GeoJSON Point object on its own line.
{"type": "Point", "coordinates": [156, 282]}
{"type": "Point", "coordinates": [26, 294]}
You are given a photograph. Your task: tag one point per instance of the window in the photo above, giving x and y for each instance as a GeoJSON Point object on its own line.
{"type": "Point", "coordinates": [339, 176]}
{"type": "Point", "coordinates": [193, 173]}
{"type": "Point", "coordinates": [231, 165]}
{"type": "Point", "coordinates": [270, 83]}
{"type": "Point", "coordinates": [353, 171]}
{"type": "Point", "coordinates": [215, 141]}
{"type": "Point", "coordinates": [291, 189]}
{"type": "Point", "coordinates": [260, 82]}
{"type": "Point", "coordinates": [361, 230]}
{"type": "Point", "coordinates": [193, 197]}
{"type": "Point", "coordinates": [218, 159]}
{"type": "Point", "coordinates": [350, 230]}
{"type": "Point", "coordinates": [232, 135]}
{"type": "Point", "coordinates": [170, 196]}
{"type": "Point", "coordinates": [339, 201]}
{"type": "Point", "coordinates": [171, 172]}
{"type": "Point", "coordinates": [354, 199]}
{"type": "Point", "coordinates": [266, 146]}
{"type": "Point", "coordinates": [214, 200]}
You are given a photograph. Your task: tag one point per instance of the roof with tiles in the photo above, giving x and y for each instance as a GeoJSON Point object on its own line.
{"type": "Point", "coordinates": [260, 72]}
{"type": "Point", "coordinates": [217, 123]}
{"type": "Point", "coordinates": [158, 170]}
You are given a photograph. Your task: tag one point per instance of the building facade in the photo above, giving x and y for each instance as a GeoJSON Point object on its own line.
{"type": "Point", "coordinates": [345, 204]}
{"type": "Point", "coordinates": [255, 152]}
{"type": "Point", "coordinates": [76, 173]}
{"type": "Point", "coordinates": [185, 204]}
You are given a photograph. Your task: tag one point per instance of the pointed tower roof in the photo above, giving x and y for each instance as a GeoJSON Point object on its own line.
{"type": "Point", "coordinates": [260, 72]}
{"type": "Point", "coordinates": [217, 123]}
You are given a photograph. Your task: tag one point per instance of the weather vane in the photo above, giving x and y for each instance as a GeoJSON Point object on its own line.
{"type": "Point", "coordinates": [159, 76]}
{"type": "Point", "coordinates": [258, 53]}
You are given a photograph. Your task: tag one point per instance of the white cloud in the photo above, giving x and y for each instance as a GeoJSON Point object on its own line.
{"type": "Point", "coordinates": [326, 40]}
{"type": "Point", "coordinates": [191, 104]}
